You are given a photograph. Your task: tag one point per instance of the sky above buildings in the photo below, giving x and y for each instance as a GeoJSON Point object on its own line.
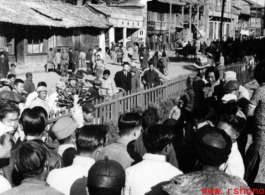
{"type": "Point", "coordinates": [261, 2]}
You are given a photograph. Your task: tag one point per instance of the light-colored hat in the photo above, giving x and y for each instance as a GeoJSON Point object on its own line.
{"type": "Point", "coordinates": [64, 127]}
{"type": "Point", "coordinates": [60, 85]}
{"type": "Point", "coordinates": [41, 88]}
{"type": "Point", "coordinates": [229, 97]}
{"type": "Point", "coordinates": [230, 75]}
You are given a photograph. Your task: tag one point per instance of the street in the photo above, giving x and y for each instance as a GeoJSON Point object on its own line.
{"type": "Point", "coordinates": [175, 69]}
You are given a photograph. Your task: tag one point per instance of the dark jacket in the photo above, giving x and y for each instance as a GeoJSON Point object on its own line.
{"type": "Point", "coordinates": [29, 86]}
{"type": "Point", "coordinates": [198, 85]}
{"type": "Point", "coordinates": [122, 81]}
{"type": "Point", "coordinates": [94, 93]}
{"type": "Point", "coordinates": [4, 67]}
{"type": "Point", "coordinates": [151, 78]}
{"type": "Point", "coordinates": [15, 178]}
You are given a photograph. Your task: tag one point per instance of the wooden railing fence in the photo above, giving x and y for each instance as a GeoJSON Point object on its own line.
{"type": "Point", "coordinates": [120, 103]}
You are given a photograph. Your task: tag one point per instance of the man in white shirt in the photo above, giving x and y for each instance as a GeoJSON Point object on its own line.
{"type": "Point", "coordinates": [233, 125]}
{"type": "Point", "coordinates": [148, 176]}
{"type": "Point", "coordinates": [41, 101]}
{"type": "Point", "coordinates": [63, 130]}
{"type": "Point", "coordinates": [73, 179]}
{"type": "Point", "coordinates": [32, 96]}
{"type": "Point", "coordinates": [52, 100]}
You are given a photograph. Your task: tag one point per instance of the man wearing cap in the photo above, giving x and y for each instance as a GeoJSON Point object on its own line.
{"type": "Point", "coordinates": [242, 91]}
{"type": "Point", "coordinates": [32, 96]}
{"type": "Point", "coordinates": [52, 100]}
{"type": "Point", "coordinates": [41, 99]}
{"type": "Point", "coordinates": [72, 81]}
{"type": "Point", "coordinates": [29, 86]}
{"type": "Point", "coordinates": [94, 91]}
{"type": "Point", "coordinates": [105, 177]}
{"type": "Point", "coordinates": [63, 130]}
{"type": "Point", "coordinates": [88, 113]}
{"type": "Point", "coordinates": [72, 180]}
{"type": "Point", "coordinates": [80, 76]}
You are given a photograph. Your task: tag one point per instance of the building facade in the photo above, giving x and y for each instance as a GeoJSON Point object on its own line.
{"type": "Point", "coordinates": [257, 20]}
{"type": "Point", "coordinates": [29, 28]}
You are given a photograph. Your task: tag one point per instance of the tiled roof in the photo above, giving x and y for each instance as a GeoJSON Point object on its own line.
{"type": "Point", "coordinates": [49, 13]}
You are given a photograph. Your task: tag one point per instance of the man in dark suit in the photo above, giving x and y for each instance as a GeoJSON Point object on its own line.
{"type": "Point", "coordinates": [123, 78]}
{"type": "Point", "coordinates": [150, 77]}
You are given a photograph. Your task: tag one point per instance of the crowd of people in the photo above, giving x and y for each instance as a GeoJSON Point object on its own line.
{"type": "Point", "coordinates": [219, 136]}
{"type": "Point", "coordinates": [215, 130]}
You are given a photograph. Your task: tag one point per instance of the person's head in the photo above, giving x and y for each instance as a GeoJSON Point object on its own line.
{"type": "Point", "coordinates": [133, 71]}
{"type": "Point", "coordinates": [259, 72]}
{"type": "Point", "coordinates": [19, 85]}
{"type": "Point", "coordinates": [76, 50]}
{"type": "Point", "coordinates": [221, 54]}
{"type": "Point", "coordinates": [72, 80]}
{"type": "Point", "coordinates": [58, 50]}
{"type": "Point", "coordinates": [88, 112]}
{"type": "Point", "coordinates": [12, 66]}
{"type": "Point", "coordinates": [99, 49]}
{"type": "Point", "coordinates": [63, 130]}
{"type": "Point", "coordinates": [211, 146]}
{"type": "Point", "coordinates": [98, 57]}
{"type": "Point", "coordinates": [157, 139]}
{"type": "Point", "coordinates": [34, 121]}
{"type": "Point", "coordinates": [90, 50]}
{"type": "Point", "coordinates": [96, 47]}
{"type": "Point", "coordinates": [229, 75]}
{"type": "Point", "coordinates": [9, 115]}
{"type": "Point", "coordinates": [232, 125]}
{"type": "Point", "coordinates": [29, 75]}
{"type": "Point", "coordinates": [90, 139]}
{"type": "Point", "coordinates": [42, 92]}
{"type": "Point", "coordinates": [164, 54]}
{"type": "Point", "coordinates": [5, 146]}
{"type": "Point", "coordinates": [106, 74]}
{"type": "Point", "coordinates": [156, 53]}
{"type": "Point", "coordinates": [130, 125]}
{"type": "Point", "coordinates": [60, 86]}
{"type": "Point", "coordinates": [126, 66]}
{"type": "Point", "coordinates": [42, 84]}
{"type": "Point", "coordinates": [174, 127]}
{"type": "Point", "coordinates": [212, 74]}
{"type": "Point", "coordinates": [105, 177]}
{"type": "Point", "coordinates": [51, 49]}
{"type": "Point", "coordinates": [97, 83]}
{"type": "Point", "coordinates": [2, 55]}
{"type": "Point", "coordinates": [11, 78]}
{"type": "Point", "coordinates": [151, 66]}
{"type": "Point", "coordinates": [204, 115]}
{"type": "Point", "coordinates": [231, 87]}
{"type": "Point", "coordinates": [79, 76]}
{"type": "Point", "coordinates": [31, 160]}
{"type": "Point", "coordinates": [150, 117]}
{"type": "Point", "coordinates": [70, 49]}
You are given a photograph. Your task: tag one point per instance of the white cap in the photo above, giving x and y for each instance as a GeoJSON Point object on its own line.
{"type": "Point", "coordinates": [41, 88]}
{"type": "Point", "coordinates": [229, 97]}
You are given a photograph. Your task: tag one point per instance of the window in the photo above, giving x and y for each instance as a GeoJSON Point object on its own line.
{"type": "Point", "coordinates": [161, 17]}
{"type": "Point", "coordinates": [35, 43]}
{"type": "Point", "coordinates": [7, 41]}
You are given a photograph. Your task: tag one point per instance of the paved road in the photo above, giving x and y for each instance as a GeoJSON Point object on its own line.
{"type": "Point", "coordinates": [175, 69]}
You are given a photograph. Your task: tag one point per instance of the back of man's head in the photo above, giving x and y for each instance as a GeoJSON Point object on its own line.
{"type": "Point", "coordinates": [128, 122]}
{"type": "Point", "coordinates": [156, 138]}
{"type": "Point", "coordinates": [31, 158]}
{"type": "Point", "coordinates": [34, 121]}
{"type": "Point", "coordinates": [10, 76]}
{"type": "Point", "coordinates": [90, 138]}
{"type": "Point", "coordinates": [150, 117]}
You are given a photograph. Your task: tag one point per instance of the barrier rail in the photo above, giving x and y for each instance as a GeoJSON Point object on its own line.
{"type": "Point", "coordinates": [110, 110]}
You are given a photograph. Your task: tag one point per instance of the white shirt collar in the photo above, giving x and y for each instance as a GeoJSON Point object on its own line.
{"type": "Point", "coordinates": [80, 160]}
{"type": "Point", "coordinates": [154, 157]}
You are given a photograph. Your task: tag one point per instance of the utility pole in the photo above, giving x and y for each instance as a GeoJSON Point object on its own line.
{"type": "Point", "coordinates": [169, 26]}
{"type": "Point", "coordinates": [256, 19]}
{"type": "Point", "coordinates": [222, 20]}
